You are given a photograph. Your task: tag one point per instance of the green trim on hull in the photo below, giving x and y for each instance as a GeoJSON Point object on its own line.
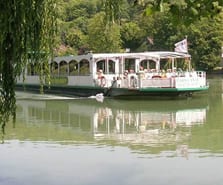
{"type": "Point", "coordinates": [152, 92]}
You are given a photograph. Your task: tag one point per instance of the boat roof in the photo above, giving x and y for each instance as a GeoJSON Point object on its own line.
{"type": "Point", "coordinates": [150, 55]}
{"type": "Point", "coordinates": [153, 54]}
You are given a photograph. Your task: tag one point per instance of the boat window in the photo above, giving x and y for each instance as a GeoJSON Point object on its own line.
{"type": "Point", "coordinates": [152, 64]}
{"type": "Point", "coordinates": [101, 65]}
{"type": "Point", "coordinates": [183, 64]}
{"type": "Point", "coordinates": [84, 67]}
{"type": "Point", "coordinates": [54, 68]}
{"type": "Point", "coordinates": [130, 64]}
{"type": "Point", "coordinates": [73, 67]}
{"type": "Point", "coordinates": [111, 67]}
{"type": "Point", "coordinates": [165, 64]}
{"type": "Point", "coordinates": [63, 68]}
{"type": "Point", "coordinates": [147, 65]}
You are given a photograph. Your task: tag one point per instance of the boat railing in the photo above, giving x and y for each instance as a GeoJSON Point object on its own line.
{"type": "Point", "coordinates": [182, 79]}
{"type": "Point", "coordinates": [176, 79]}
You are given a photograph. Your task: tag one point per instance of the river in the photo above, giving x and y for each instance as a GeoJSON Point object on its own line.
{"type": "Point", "coordinates": [59, 141]}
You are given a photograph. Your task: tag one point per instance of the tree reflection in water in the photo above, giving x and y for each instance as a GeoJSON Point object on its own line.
{"type": "Point", "coordinates": [114, 122]}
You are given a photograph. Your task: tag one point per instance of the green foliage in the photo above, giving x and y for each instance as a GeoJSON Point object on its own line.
{"type": "Point", "coordinates": [131, 35]}
{"type": "Point", "coordinates": [27, 27]}
{"type": "Point", "coordinates": [101, 37]}
{"type": "Point", "coordinates": [112, 9]}
{"type": "Point", "coordinates": [73, 23]}
{"type": "Point", "coordinates": [159, 29]}
{"type": "Point", "coordinates": [189, 11]}
{"type": "Point", "coordinates": [206, 37]}
{"type": "Point", "coordinates": [113, 25]}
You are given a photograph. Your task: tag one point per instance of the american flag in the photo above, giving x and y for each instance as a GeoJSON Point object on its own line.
{"type": "Point", "coordinates": [181, 46]}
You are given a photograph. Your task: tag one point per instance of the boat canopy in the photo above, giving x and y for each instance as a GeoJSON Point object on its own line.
{"type": "Point", "coordinates": [149, 55]}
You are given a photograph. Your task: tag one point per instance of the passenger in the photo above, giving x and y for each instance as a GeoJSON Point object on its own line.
{"type": "Point", "coordinates": [174, 72]}
{"type": "Point", "coordinates": [125, 79]}
{"type": "Point", "coordinates": [100, 73]}
{"type": "Point", "coordinates": [168, 73]}
{"type": "Point", "coordinates": [101, 78]}
{"type": "Point", "coordinates": [125, 74]}
{"type": "Point", "coordinates": [141, 68]}
{"type": "Point", "coordinates": [118, 82]}
{"type": "Point", "coordinates": [131, 71]}
{"type": "Point", "coordinates": [142, 74]}
{"type": "Point", "coordinates": [163, 74]}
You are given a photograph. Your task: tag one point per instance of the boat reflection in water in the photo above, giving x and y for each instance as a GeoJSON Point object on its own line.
{"type": "Point", "coordinates": [152, 124]}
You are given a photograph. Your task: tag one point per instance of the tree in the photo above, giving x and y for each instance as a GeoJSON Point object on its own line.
{"type": "Point", "coordinates": [131, 35]}
{"type": "Point", "coordinates": [205, 42]}
{"type": "Point", "coordinates": [112, 10]}
{"type": "Point", "coordinates": [185, 11]}
{"type": "Point", "coordinates": [73, 22]}
{"type": "Point", "coordinates": [27, 31]}
{"type": "Point", "coordinates": [103, 37]}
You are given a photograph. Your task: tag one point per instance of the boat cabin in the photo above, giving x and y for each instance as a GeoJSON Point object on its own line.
{"type": "Point", "coordinates": [127, 70]}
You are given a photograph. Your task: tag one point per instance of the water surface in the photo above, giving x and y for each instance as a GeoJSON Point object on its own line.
{"type": "Point", "coordinates": [84, 142]}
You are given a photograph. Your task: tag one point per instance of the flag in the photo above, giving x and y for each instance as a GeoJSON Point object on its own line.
{"type": "Point", "coordinates": [150, 40]}
{"type": "Point", "coordinates": [181, 46]}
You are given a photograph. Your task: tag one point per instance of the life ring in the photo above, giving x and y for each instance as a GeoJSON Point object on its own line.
{"type": "Point", "coordinates": [156, 76]}
{"type": "Point", "coordinates": [102, 81]}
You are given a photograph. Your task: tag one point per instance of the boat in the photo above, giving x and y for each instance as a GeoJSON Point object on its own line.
{"type": "Point", "coordinates": [119, 75]}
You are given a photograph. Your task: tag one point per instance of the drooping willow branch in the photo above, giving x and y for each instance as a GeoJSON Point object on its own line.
{"type": "Point", "coordinates": [27, 26]}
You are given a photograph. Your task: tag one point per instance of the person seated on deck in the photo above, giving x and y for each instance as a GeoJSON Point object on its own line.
{"type": "Point", "coordinates": [142, 74]}
{"type": "Point", "coordinates": [131, 71]}
{"type": "Point", "coordinates": [118, 82]}
{"type": "Point", "coordinates": [100, 73]}
{"type": "Point", "coordinates": [163, 74]}
{"type": "Point", "coordinates": [174, 72]}
{"type": "Point", "coordinates": [126, 74]}
{"type": "Point", "coordinates": [125, 78]}
{"type": "Point", "coordinates": [141, 68]}
{"type": "Point", "coordinates": [101, 78]}
{"type": "Point", "coordinates": [168, 73]}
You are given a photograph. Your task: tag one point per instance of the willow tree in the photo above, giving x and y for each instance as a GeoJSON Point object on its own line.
{"type": "Point", "coordinates": [27, 32]}
{"type": "Point", "coordinates": [112, 10]}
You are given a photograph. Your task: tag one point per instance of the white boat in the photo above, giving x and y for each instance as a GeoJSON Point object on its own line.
{"type": "Point", "coordinates": [119, 75]}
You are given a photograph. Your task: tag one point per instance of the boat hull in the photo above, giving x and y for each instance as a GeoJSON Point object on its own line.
{"type": "Point", "coordinates": [87, 91]}
{"type": "Point", "coordinates": [67, 91]}
{"type": "Point", "coordinates": [153, 92]}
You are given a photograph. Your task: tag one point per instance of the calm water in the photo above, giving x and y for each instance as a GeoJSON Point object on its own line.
{"type": "Point", "coordinates": [85, 142]}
